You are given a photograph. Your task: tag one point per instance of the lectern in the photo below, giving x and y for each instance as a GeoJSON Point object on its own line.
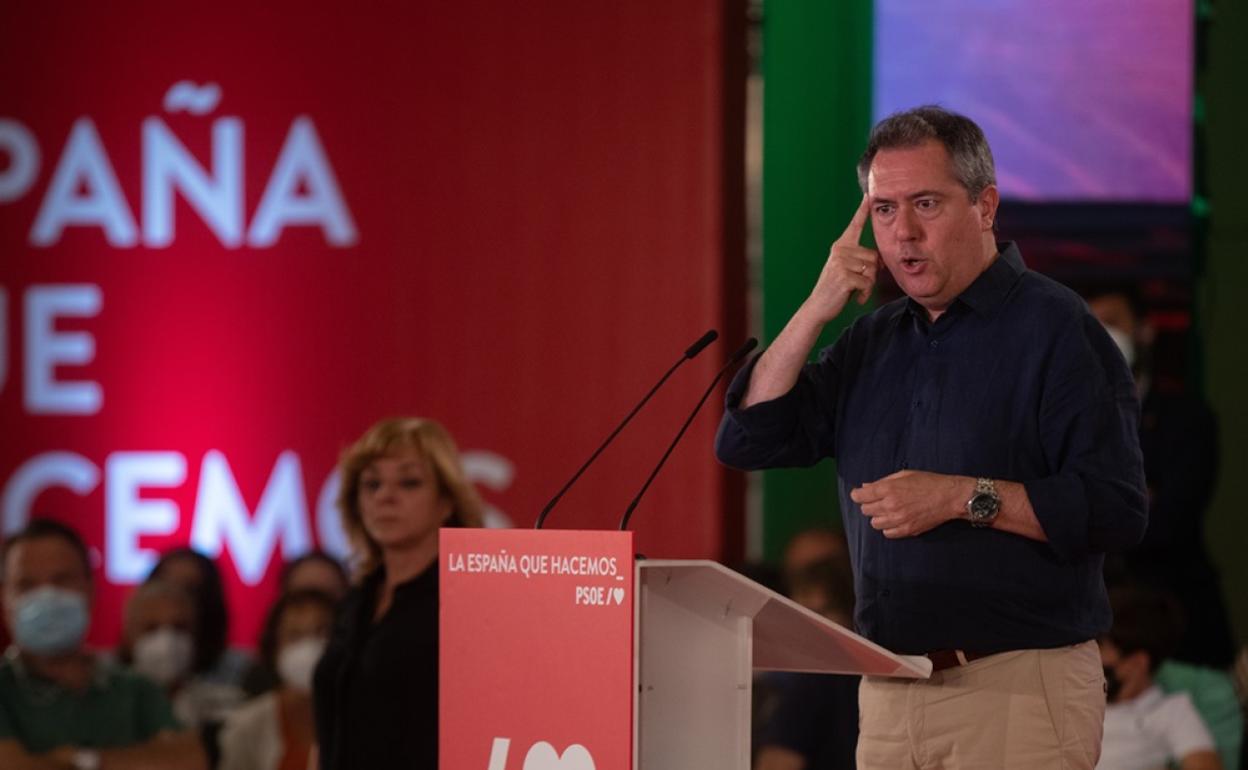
{"type": "Point", "coordinates": [559, 651]}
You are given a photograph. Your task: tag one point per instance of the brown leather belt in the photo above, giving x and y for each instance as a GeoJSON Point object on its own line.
{"type": "Point", "coordinates": [943, 659]}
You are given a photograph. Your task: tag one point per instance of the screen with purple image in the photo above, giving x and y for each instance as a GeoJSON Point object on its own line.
{"type": "Point", "coordinates": [1081, 100]}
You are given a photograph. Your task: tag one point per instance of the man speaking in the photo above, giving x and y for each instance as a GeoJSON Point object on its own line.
{"type": "Point", "coordinates": [984, 428]}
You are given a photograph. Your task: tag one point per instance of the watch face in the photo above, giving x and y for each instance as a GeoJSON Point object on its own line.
{"type": "Point", "coordinates": [983, 506]}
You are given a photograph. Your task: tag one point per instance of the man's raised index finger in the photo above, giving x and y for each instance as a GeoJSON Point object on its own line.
{"type": "Point", "coordinates": [853, 233]}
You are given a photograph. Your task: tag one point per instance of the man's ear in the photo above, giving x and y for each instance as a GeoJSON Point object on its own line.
{"type": "Point", "coordinates": [987, 204]}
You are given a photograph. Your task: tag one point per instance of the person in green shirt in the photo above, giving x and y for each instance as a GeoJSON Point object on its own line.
{"type": "Point", "coordinates": [61, 708]}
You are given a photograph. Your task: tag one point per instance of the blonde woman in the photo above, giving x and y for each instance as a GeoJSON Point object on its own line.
{"type": "Point", "coordinates": [376, 688]}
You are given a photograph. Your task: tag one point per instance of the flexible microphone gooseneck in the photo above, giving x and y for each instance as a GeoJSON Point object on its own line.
{"type": "Point", "coordinates": [733, 360]}
{"type": "Point", "coordinates": [690, 352]}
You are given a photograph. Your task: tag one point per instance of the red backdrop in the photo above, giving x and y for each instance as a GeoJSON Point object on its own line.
{"type": "Point", "coordinates": [508, 217]}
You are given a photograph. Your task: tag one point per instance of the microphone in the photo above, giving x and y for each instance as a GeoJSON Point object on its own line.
{"type": "Point", "coordinates": [733, 360]}
{"type": "Point", "coordinates": [694, 349]}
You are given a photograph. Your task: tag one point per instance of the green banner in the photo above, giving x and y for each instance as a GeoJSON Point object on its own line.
{"type": "Point", "coordinates": [816, 115]}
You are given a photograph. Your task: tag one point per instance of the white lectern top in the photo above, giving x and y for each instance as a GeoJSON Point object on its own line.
{"type": "Point", "coordinates": [786, 635]}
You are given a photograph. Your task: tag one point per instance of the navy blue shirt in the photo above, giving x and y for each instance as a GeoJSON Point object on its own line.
{"type": "Point", "coordinates": [1016, 381]}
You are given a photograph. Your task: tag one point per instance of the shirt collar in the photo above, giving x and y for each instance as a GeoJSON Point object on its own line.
{"type": "Point", "coordinates": [1143, 703]}
{"type": "Point", "coordinates": [99, 673]}
{"type": "Point", "coordinates": [988, 291]}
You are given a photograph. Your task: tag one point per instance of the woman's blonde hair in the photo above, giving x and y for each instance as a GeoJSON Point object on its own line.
{"type": "Point", "coordinates": [430, 441]}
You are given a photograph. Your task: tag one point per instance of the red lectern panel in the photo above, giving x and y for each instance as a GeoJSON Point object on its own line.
{"type": "Point", "coordinates": [537, 657]}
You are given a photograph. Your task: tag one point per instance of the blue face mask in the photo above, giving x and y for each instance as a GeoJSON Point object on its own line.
{"type": "Point", "coordinates": [50, 621]}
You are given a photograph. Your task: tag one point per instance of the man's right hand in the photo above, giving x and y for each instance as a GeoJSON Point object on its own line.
{"type": "Point", "coordinates": [850, 267]}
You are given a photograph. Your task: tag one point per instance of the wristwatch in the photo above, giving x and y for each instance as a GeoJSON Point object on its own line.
{"type": "Point", "coordinates": [984, 505]}
{"type": "Point", "coordinates": [86, 759]}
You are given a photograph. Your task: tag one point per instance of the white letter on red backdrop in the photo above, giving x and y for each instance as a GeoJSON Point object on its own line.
{"type": "Point", "coordinates": [302, 160]}
{"type": "Point", "coordinates": [127, 516]}
{"type": "Point", "coordinates": [84, 161]}
{"type": "Point", "coordinates": [221, 516]}
{"type": "Point", "coordinates": [19, 144]}
{"type": "Point", "coordinates": [41, 472]}
{"type": "Point", "coordinates": [46, 348]}
{"type": "Point", "coordinates": [329, 530]}
{"type": "Point", "coordinates": [218, 198]}
{"type": "Point", "coordinates": [494, 472]}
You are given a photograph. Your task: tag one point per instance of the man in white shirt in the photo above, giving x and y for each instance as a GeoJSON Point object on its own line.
{"type": "Point", "coordinates": [1146, 729]}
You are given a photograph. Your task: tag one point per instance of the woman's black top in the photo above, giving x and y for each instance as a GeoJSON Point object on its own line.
{"type": "Point", "coordinates": [376, 687]}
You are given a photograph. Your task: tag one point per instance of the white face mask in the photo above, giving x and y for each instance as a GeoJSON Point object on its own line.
{"type": "Point", "coordinates": [297, 662]}
{"type": "Point", "coordinates": [1125, 344]}
{"type": "Point", "coordinates": [164, 655]}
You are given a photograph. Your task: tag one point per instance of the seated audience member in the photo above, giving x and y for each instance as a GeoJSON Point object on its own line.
{"type": "Point", "coordinates": [158, 634]}
{"type": "Point", "coordinates": [276, 730]}
{"type": "Point", "coordinates": [827, 587]}
{"type": "Point", "coordinates": [1179, 441]}
{"type": "Point", "coordinates": [215, 684]}
{"type": "Point", "coordinates": [314, 571]}
{"type": "Point", "coordinates": [1145, 728]}
{"type": "Point", "coordinates": [1214, 695]}
{"type": "Point", "coordinates": [214, 687]}
{"type": "Point", "coordinates": [813, 721]}
{"type": "Point", "coordinates": [61, 708]}
{"type": "Point", "coordinates": [811, 546]}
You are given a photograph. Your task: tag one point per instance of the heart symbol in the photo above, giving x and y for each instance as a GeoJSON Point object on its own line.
{"type": "Point", "coordinates": [544, 757]}
{"type": "Point", "coordinates": [618, 595]}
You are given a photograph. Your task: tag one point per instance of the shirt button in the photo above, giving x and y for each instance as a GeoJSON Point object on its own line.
{"type": "Point", "coordinates": [934, 343]}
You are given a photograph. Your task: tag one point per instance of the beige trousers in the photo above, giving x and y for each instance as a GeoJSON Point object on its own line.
{"type": "Point", "coordinates": [1023, 709]}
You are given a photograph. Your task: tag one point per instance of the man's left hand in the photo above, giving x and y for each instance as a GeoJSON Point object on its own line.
{"type": "Point", "coordinates": [909, 503]}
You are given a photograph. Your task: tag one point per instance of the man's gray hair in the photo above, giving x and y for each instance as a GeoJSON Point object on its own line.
{"type": "Point", "coordinates": [968, 150]}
